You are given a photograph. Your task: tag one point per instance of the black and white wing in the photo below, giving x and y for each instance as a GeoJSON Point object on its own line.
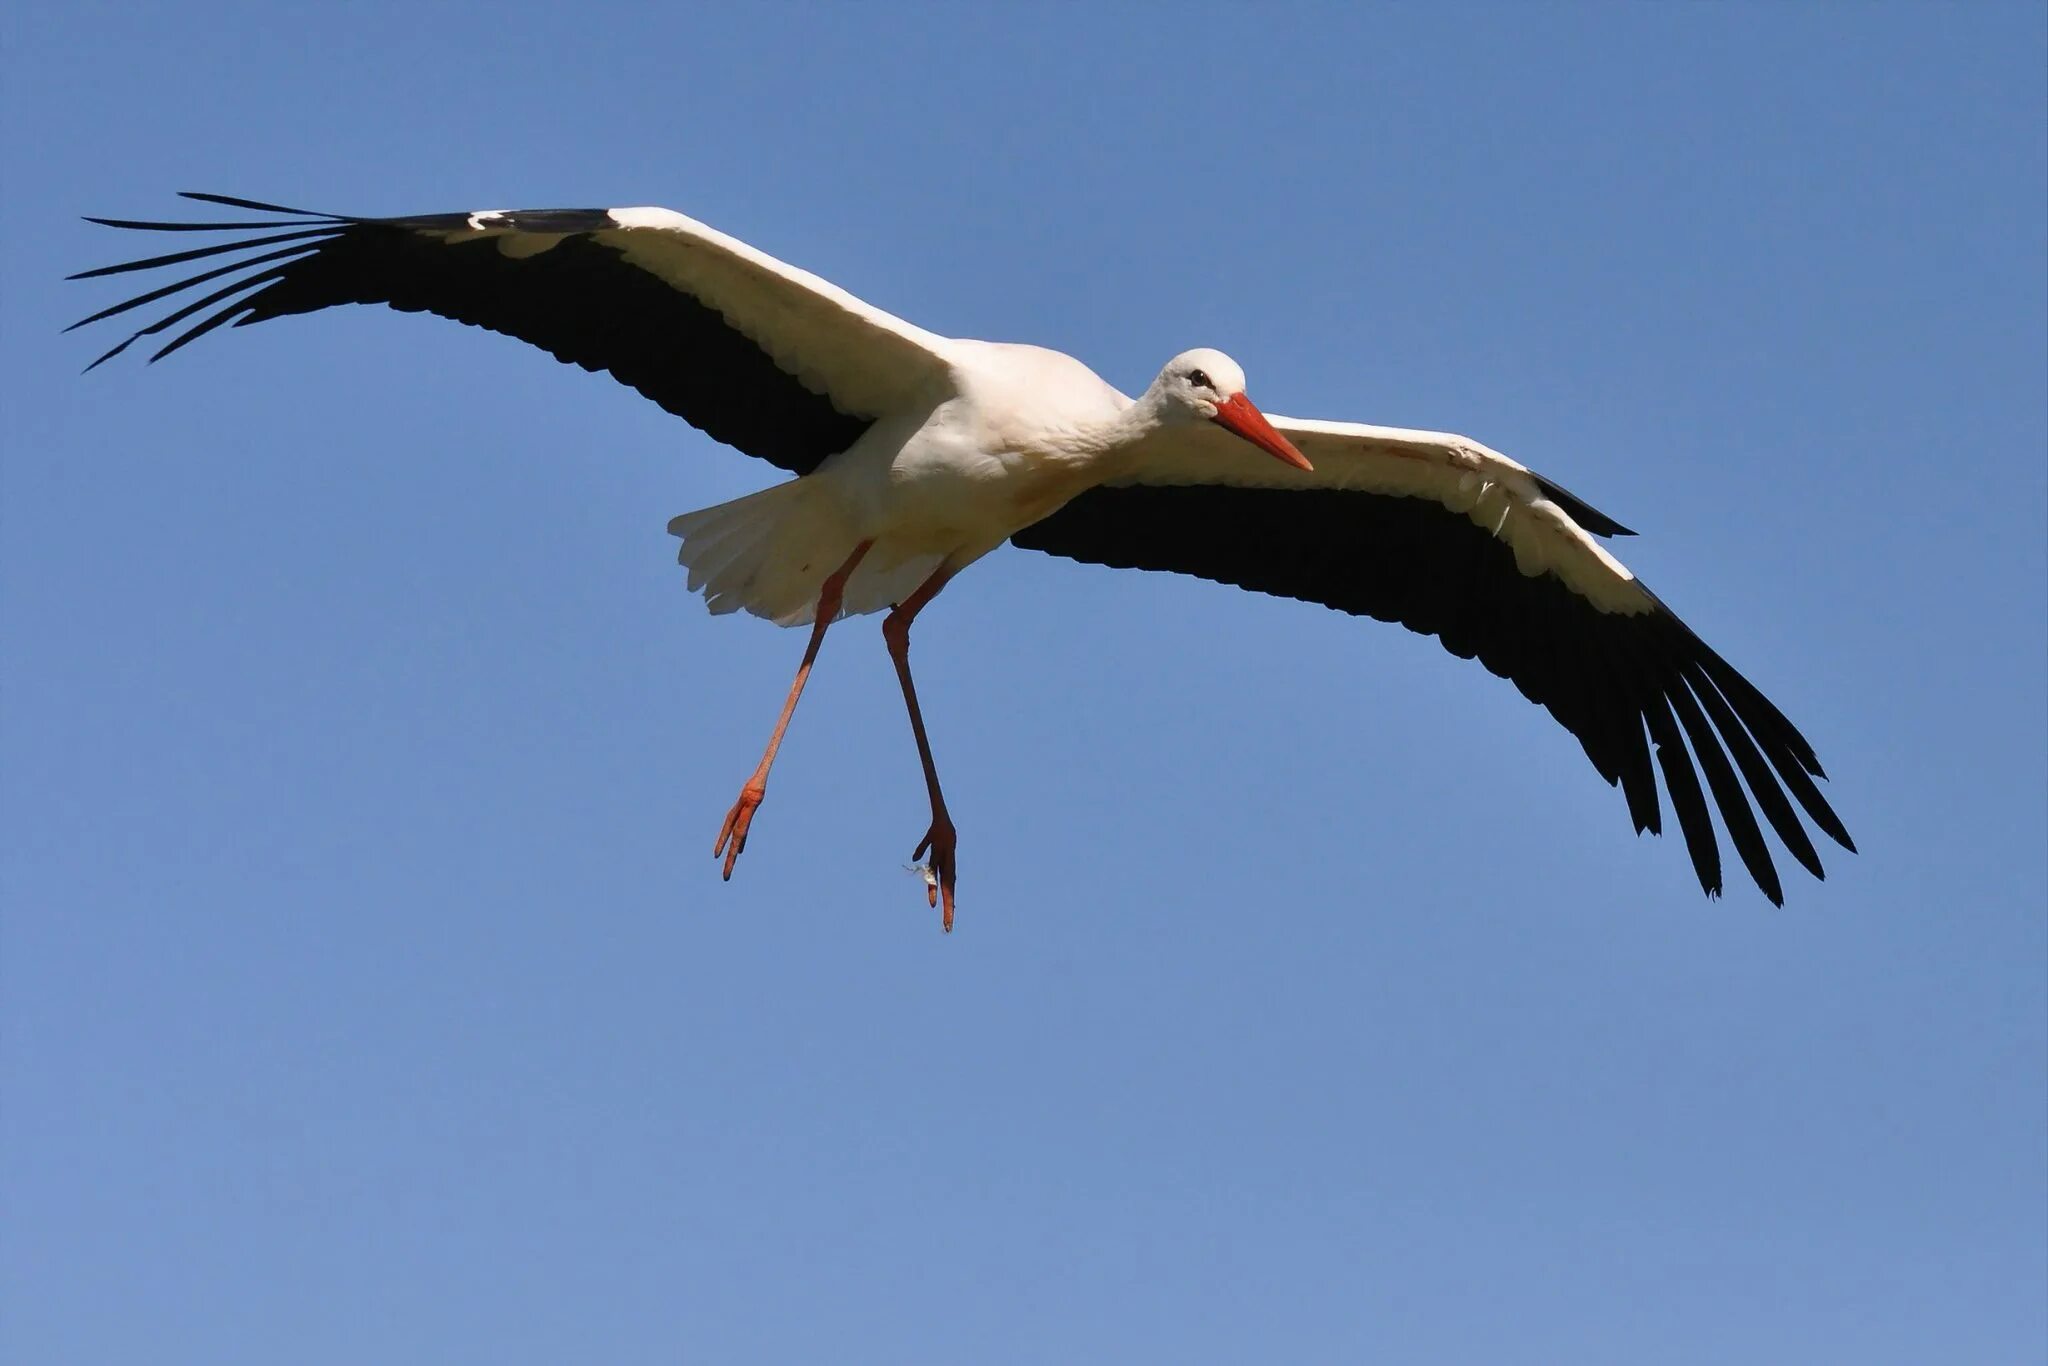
{"type": "Point", "coordinates": [760, 355]}
{"type": "Point", "coordinates": [1457, 541]}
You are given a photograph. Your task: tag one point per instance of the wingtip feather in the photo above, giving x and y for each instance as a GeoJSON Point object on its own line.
{"type": "Point", "coordinates": [232, 202]}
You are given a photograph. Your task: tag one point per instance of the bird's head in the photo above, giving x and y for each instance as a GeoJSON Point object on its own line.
{"type": "Point", "coordinates": [1208, 386]}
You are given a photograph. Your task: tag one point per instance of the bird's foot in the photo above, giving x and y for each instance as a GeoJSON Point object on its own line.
{"type": "Point", "coordinates": [938, 870]}
{"type": "Point", "coordinates": [734, 831]}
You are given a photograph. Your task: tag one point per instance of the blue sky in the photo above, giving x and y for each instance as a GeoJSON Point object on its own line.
{"type": "Point", "coordinates": [369, 990]}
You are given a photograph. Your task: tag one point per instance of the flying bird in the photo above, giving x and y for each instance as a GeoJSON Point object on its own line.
{"type": "Point", "coordinates": [916, 454]}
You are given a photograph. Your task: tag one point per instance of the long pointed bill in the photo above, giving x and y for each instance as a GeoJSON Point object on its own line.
{"type": "Point", "coordinates": [1237, 416]}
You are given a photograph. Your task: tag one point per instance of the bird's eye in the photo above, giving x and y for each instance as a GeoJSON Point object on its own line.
{"type": "Point", "coordinates": [1200, 379]}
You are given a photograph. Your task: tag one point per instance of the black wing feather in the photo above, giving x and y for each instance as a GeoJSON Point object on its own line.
{"type": "Point", "coordinates": [1579, 510]}
{"type": "Point", "coordinates": [259, 206]}
{"type": "Point", "coordinates": [579, 300]}
{"type": "Point", "coordinates": [1755, 773]}
{"type": "Point", "coordinates": [169, 320]}
{"type": "Point", "coordinates": [198, 253]}
{"type": "Point", "coordinates": [176, 286]}
{"type": "Point", "coordinates": [1735, 812]}
{"type": "Point", "coordinates": [1632, 689]}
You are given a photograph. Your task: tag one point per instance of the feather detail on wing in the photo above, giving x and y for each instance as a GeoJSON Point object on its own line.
{"type": "Point", "coordinates": [1454, 540]}
{"type": "Point", "coordinates": [1532, 516]}
{"type": "Point", "coordinates": [758, 354]}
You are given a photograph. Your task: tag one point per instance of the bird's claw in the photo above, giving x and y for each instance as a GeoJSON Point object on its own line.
{"type": "Point", "coordinates": [734, 831]}
{"type": "Point", "coordinates": [939, 871]}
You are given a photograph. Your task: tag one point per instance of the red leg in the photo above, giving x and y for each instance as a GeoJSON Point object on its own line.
{"type": "Point", "coordinates": [734, 831]}
{"type": "Point", "coordinates": [940, 839]}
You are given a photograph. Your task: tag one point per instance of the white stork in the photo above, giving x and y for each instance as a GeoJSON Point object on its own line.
{"type": "Point", "coordinates": [917, 454]}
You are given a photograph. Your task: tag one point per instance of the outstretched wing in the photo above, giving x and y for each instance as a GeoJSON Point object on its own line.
{"type": "Point", "coordinates": [760, 355]}
{"type": "Point", "coordinates": [1454, 540]}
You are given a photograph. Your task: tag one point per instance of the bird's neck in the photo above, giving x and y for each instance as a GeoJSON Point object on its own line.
{"type": "Point", "coordinates": [1107, 440]}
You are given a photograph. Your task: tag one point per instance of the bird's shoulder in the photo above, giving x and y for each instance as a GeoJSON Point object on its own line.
{"type": "Point", "coordinates": [1020, 378]}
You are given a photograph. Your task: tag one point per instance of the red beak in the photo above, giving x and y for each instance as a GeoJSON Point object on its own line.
{"type": "Point", "coordinates": [1237, 415]}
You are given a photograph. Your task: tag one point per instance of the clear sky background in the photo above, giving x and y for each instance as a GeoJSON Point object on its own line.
{"type": "Point", "coordinates": [370, 994]}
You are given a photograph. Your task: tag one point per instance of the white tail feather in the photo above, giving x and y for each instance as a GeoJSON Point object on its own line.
{"type": "Point", "coordinates": [881, 582]}
{"type": "Point", "coordinates": [770, 553]}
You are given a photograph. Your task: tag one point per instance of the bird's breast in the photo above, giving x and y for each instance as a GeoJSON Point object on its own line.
{"type": "Point", "coordinates": [960, 477]}
{"type": "Point", "coordinates": [1039, 488]}
{"type": "Point", "coordinates": [983, 491]}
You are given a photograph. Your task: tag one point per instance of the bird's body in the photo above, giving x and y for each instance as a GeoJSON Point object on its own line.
{"type": "Point", "coordinates": [1014, 434]}
{"type": "Point", "coordinates": [916, 454]}
{"type": "Point", "coordinates": [949, 480]}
